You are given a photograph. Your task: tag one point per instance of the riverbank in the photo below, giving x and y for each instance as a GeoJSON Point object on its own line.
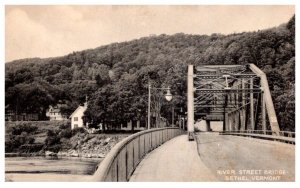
{"type": "Point", "coordinates": [86, 145]}
{"type": "Point", "coordinates": [55, 138]}
{"type": "Point", "coordinates": [47, 177]}
{"type": "Point", "coordinates": [81, 145]}
{"type": "Point", "coordinates": [51, 151]}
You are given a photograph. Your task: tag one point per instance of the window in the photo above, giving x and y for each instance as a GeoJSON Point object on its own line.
{"type": "Point", "coordinates": [75, 118]}
{"type": "Point", "coordinates": [75, 126]}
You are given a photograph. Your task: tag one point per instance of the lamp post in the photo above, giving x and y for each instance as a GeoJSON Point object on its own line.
{"type": "Point", "coordinates": [179, 117]}
{"type": "Point", "coordinates": [183, 121]}
{"type": "Point", "coordinates": [173, 114]}
{"type": "Point", "coordinates": [168, 97]}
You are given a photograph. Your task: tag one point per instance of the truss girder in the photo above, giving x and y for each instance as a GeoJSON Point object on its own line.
{"type": "Point", "coordinates": [240, 93]}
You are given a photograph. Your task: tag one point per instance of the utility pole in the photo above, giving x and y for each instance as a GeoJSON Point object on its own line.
{"type": "Point", "coordinates": [168, 97]}
{"type": "Point", "coordinates": [251, 106]}
{"type": "Point", "coordinates": [149, 103]}
{"type": "Point", "coordinates": [173, 115]}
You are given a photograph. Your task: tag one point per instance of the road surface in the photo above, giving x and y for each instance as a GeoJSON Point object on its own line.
{"type": "Point", "coordinates": [217, 157]}
{"type": "Point", "coordinates": [232, 157]}
{"type": "Point", "coordinates": [169, 163]}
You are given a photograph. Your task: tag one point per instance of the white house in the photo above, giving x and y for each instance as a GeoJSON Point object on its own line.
{"type": "Point", "coordinates": [77, 115]}
{"type": "Point", "coordinates": [54, 113]}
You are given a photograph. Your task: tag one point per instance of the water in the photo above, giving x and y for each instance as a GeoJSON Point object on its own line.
{"type": "Point", "coordinates": [39, 165]}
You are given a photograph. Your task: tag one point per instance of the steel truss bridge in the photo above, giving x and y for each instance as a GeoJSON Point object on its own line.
{"type": "Point", "coordinates": [238, 95]}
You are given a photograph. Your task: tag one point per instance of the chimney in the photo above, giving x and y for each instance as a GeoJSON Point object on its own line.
{"type": "Point", "coordinates": [86, 101]}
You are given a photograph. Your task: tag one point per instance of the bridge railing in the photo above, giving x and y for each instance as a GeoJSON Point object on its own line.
{"type": "Point", "coordinates": [283, 136]}
{"type": "Point", "coordinates": [124, 157]}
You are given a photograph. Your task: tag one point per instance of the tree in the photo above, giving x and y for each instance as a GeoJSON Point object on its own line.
{"type": "Point", "coordinates": [116, 76]}
{"type": "Point", "coordinates": [291, 27]}
{"type": "Point", "coordinates": [100, 82]}
{"type": "Point", "coordinates": [99, 110]}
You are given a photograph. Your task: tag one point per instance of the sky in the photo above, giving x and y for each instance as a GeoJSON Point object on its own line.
{"type": "Point", "coordinates": [49, 31]}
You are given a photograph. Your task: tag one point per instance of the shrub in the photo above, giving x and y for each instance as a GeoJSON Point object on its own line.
{"type": "Point", "coordinates": [52, 138]}
{"type": "Point", "coordinates": [54, 148]}
{"type": "Point", "coordinates": [66, 125]}
{"type": "Point", "coordinates": [11, 145]}
{"type": "Point", "coordinates": [18, 129]}
{"type": "Point", "coordinates": [78, 130]}
{"type": "Point", "coordinates": [65, 143]}
{"type": "Point", "coordinates": [65, 133]}
{"type": "Point", "coordinates": [28, 148]}
{"type": "Point", "coordinates": [14, 142]}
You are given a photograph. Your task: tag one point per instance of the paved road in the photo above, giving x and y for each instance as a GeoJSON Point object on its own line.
{"type": "Point", "coordinates": [169, 163]}
{"type": "Point", "coordinates": [219, 158]}
{"type": "Point", "coordinates": [229, 157]}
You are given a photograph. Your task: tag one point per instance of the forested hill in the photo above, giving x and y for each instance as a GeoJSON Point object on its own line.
{"type": "Point", "coordinates": [115, 76]}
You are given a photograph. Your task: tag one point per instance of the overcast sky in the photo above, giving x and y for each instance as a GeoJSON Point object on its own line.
{"type": "Point", "coordinates": [47, 31]}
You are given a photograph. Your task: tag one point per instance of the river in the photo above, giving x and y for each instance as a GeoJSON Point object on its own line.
{"type": "Point", "coordinates": [49, 168]}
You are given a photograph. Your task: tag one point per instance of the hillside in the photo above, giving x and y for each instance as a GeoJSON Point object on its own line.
{"type": "Point", "coordinates": [115, 76]}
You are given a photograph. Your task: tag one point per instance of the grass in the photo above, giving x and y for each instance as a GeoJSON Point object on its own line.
{"type": "Point", "coordinates": [43, 126]}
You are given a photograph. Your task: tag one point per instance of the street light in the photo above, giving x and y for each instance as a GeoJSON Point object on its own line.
{"type": "Point", "coordinates": [168, 97]}
{"type": "Point", "coordinates": [226, 81]}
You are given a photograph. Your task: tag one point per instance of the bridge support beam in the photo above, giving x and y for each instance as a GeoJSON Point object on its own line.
{"type": "Point", "coordinates": [237, 122]}
{"type": "Point", "coordinates": [267, 98]}
{"type": "Point", "coordinates": [190, 100]}
{"type": "Point", "coordinates": [251, 106]}
{"type": "Point", "coordinates": [263, 113]}
{"type": "Point", "coordinates": [243, 115]}
{"type": "Point", "coordinates": [230, 121]}
{"type": "Point", "coordinates": [208, 128]}
{"type": "Point", "coordinates": [226, 119]}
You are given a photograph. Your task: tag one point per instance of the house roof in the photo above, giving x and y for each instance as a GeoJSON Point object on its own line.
{"type": "Point", "coordinates": [54, 110]}
{"type": "Point", "coordinates": [78, 108]}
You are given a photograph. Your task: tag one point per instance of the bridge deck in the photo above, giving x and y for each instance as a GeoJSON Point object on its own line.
{"type": "Point", "coordinates": [176, 160]}
{"type": "Point", "coordinates": [237, 153]}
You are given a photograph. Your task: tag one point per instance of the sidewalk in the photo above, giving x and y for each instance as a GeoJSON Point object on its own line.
{"type": "Point", "coordinates": [176, 160]}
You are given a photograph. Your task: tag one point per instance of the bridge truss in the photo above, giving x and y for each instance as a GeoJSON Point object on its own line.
{"type": "Point", "coordinates": [238, 95]}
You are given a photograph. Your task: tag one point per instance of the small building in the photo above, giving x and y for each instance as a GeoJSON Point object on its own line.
{"type": "Point", "coordinates": [137, 125]}
{"type": "Point", "coordinates": [77, 117]}
{"type": "Point", "coordinates": [55, 114]}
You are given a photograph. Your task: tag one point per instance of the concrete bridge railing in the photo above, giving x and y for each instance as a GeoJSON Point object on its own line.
{"type": "Point", "coordinates": [121, 161]}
